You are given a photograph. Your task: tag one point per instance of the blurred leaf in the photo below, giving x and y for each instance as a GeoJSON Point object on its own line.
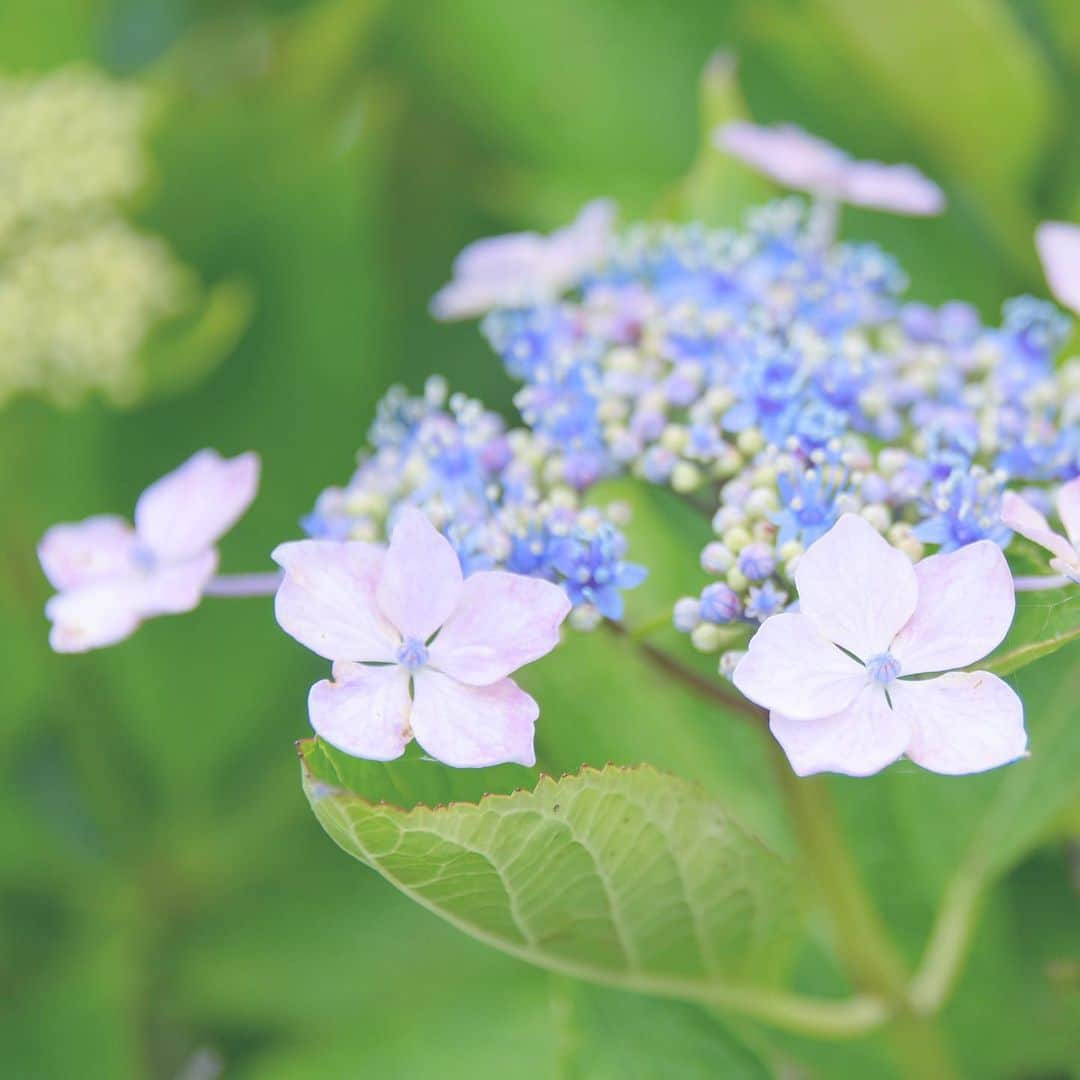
{"type": "Point", "coordinates": [612, 1035]}
{"type": "Point", "coordinates": [1000, 98]}
{"type": "Point", "coordinates": [185, 351]}
{"type": "Point", "coordinates": [624, 876]}
{"type": "Point", "coordinates": [718, 189]}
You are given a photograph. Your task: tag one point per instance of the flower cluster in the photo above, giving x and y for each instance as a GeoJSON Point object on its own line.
{"type": "Point", "coordinates": [780, 381]}
{"type": "Point", "coordinates": [80, 289]}
{"type": "Point", "coordinates": [492, 491]}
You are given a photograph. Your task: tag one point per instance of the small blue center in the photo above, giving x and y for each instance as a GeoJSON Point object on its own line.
{"type": "Point", "coordinates": [144, 558]}
{"type": "Point", "coordinates": [412, 654]}
{"type": "Point", "coordinates": [883, 668]}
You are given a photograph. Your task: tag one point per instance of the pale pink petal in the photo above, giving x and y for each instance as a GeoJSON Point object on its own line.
{"type": "Point", "coordinates": [512, 255]}
{"type": "Point", "coordinates": [173, 588]}
{"type": "Point", "coordinates": [187, 510]}
{"type": "Point", "coordinates": [94, 615]}
{"type": "Point", "coordinates": [792, 668]}
{"type": "Point", "coordinates": [860, 740]}
{"type": "Point", "coordinates": [1020, 516]}
{"type": "Point", "coordinates": [1068, 507]}
{"type": "Point", "coordinates": [421, 579]}
{"type": "Point", "coordinates": [856, 588]}
{"type": "Point", "coordinates": [962, 722]}
{"type": "Point", "coordinates": [501, 622]}
{"type": "Point", "coordinates": [1059, 249]}
{"type": "Point", "coordinates": [86, 551]}
{"type": "Point", "coordinates": [502, 271]}
{"type": "Point", "coordinates": [787, 154]}
{"type": "Point", "coordinates": [473, 726]}
{"type": "Point", "coordinates": [900, 189]}
{"type": "Point", "coordinates": [966, 606]}
{"type": "Point", "coordinates": [327, 599]}
{"type": "Point", "coordinates": [581, 246]}
{"type": "Point", "coordinates": [364, 711]}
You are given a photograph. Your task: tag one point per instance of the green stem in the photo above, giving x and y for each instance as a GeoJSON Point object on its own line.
{"type": "Point", "coordinates": [862, 940]}
{"type": "Point", "coordinates": [948, 944]}
{"type": "Point", "coordinates": [717, 691]}
{"type": "Point", "coordinates": [865, 946]}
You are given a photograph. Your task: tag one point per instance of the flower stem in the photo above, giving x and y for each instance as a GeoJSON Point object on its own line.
{"type": "Point", "coordinates": [1037, 584]}
{"type": "Point", "coordinates": [717, 691]}
{"type": "Point", "coordinates": [244, 585]}
{"type": "Point", "coordinates": [864, 944]}
{"type": "Point", "coordinates": [948, 943]}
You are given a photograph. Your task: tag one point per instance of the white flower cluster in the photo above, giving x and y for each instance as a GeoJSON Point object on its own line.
{"type": "Point", "coordinates": [80, 288]}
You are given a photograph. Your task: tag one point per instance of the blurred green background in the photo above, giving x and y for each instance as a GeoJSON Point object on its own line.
{"type": "Point", "coordinates": [169, 906]}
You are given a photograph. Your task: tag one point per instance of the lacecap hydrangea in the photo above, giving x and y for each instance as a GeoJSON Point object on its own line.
{"type": "Point", "coordinates": [502, 497]}
{"type": "Point", "coordinates": [778, 380]}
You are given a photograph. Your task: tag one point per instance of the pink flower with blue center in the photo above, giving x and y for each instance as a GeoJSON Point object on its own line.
{"type": "Point", "coordinates": [418, 650]}
{"type": "Point", "coordinates": [843, 677]}
{"type": "Point", "coordinates": [110, 576]}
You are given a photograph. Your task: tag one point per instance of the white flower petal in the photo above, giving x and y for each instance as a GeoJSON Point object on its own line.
{"type": "Point", "coordinates": [187, 510]}
{"type": "Point", "coordinates": [86, 551]}
{"type": "Point", "coordinates": [174, 588]}
{"type": "Point", "coordinates": [1020, 516]}
{"type": "Point", "coordinates": [364, 712]}
{"type": "Point", "coordinates": [965, 608]}
{"type": "Point", "coordinates": [792, 668]}
{"type": "Point", "coordinates": [327, 599]}
{"type": "Point", "coordinates": [473, 726]}
{"type": "Point", "coordinates": [859, 741]}
{"type": "Point", "coordinates": [900, 189]}
{"type": "Point", "coordinates": [502, 621]}
{"type": "Point", "coordinates": [962, 722]}
{"type": "Point", "coordinates": [787, 154]}
{"type": "Point", "coordinates": [580, 246]}
{"type": "Point", "coordinates": [855, 587]}
{"type": "Point", "coordinates": [95, 615]}
{"type": "Point", "coordinates": [421, 579]}
{"type": "Point", "coordinates": [1059, 249]}
{"type": "Point", "coordinates": [525, 268]}
{"type": "Point", "coordinates": [1068, 506]}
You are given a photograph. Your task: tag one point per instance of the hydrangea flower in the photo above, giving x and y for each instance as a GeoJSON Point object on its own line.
{"type": "Point", "coordinates": [1018, 514]}
{"type": "Point", "coordinates": [110, 576]}
{"type": "Point", "coordinates": [524, 268]}
{"type": "Point", "coordinates": [403, 617]}
{"type": "Point", "coordinates": [1059, 250]}
{"type": "Point", "coordinates": [799, 160]}
{"type": "Point", "coordinates": [837, 675]}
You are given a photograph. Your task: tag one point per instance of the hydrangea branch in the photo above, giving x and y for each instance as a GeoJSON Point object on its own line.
{"type": "Point", "coordinates": [241, 585]}
{"type": "Point", "coordinates": [1040, 583]}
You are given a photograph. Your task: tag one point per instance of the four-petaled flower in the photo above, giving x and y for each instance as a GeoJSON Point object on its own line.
{"type": "Point", "coordinates": [404, 615]}
{"type": "Point", "coordinates": [1023, 518]}
{"type": "Point", "coordinates": [835, 675]}
{"type": "Point", "coordinates": [799, 160]}
{"type": "Point", "coordinates": [110, 576]}
{"type": "Point", "coordinates": [525, 268]}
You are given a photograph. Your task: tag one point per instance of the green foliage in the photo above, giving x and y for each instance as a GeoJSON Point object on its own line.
{"type": "Point", "coordinates": [627, 877]}
{"type": "Point", "coordinates": [164, 892]}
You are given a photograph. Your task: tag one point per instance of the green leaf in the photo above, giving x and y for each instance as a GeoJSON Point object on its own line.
{"type": "Point", "coordinates": [1001, 101]}
{"type": "Point", "coordinates": [718, 189]}
{"type": "Point", "coordinates": [184, 352]}
{"type": "Point", "coordinates": [611, 1035]}
{"type": "Point", "coordinates": [622, 876]}
{"type": "Point", "coordinates": [1044, 623]}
